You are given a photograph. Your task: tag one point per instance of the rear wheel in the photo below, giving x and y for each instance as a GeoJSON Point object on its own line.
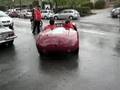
{"type": "Point", "coordinates": [76, 51]}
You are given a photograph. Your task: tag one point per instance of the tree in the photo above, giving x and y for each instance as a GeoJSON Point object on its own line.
{"type": "Point", "coordinates": [68, 3]}
{"type": "Point", "coordinates": [35, 2]}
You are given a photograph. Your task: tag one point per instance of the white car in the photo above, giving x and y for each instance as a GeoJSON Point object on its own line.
{"type": "Point", "coordinates": [67, 14]}
{"type": "Point", "coordinates": [7, 35]}
{"type": "Point", "coordinates": [115, 12]}
{"type": "Point", "coordinates": [26, 13]}
{"type": "Point", "coordinates": [5, 20]}
{"type": "Point", "coordinates": [46, 14]}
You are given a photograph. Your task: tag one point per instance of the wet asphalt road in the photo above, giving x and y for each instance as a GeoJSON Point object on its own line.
{"type": "Point", "coordinates": [97, 67]}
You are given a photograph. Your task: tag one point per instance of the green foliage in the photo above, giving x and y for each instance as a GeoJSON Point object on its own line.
{"type": "Point", "coordinates": [16, 2]}
{"type": "Point", "coordinates": [88, 4]}
{"type": "Point", "coordinates": [84, 10]}
{"type": "Point", "coordinates": [117, 5]}
{"type": "Point", "coordinates": [44, 2]}
{"type": "Point", "coordinates": [3, 8]}
{"type": "Point", "coordinates": [35, 3]}
{"type": "Point", "coordinates": [100, 4]}
{"type": "Point", "coordinates": [68, 3]}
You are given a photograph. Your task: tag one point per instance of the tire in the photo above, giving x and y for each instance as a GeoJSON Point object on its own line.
{"type": "Point", "coordinates": [71, 17]}
{"type": "Point", "coordinates": [76, 52]}
{"type": "Point", "coordinates": [40, 52]}
{"type": "Point", "coordinates": [10, 43]}
{"type": "Point", "coordinates": [56, 18]}
{"type": "Point", "coordinates": [11, 27]}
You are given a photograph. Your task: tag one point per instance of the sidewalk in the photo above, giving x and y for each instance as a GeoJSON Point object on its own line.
{"type": "Point", "coordinates": [101, 10]}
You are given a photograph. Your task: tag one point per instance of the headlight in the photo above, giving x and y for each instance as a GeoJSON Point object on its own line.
{"type": "Point", "coordinates": [113, 10]}
{"type": "Point", "coordinates": [11, 34]}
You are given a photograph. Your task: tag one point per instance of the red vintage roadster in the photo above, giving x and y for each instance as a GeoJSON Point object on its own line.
{"type": "Point", "coordinates": [58, 40]}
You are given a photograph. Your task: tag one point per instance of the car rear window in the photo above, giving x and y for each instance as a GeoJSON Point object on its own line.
{"type": "Point", "coordinates": [68, 11]}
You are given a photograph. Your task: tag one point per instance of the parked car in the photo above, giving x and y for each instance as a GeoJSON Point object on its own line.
{"type": "Point", "coordinates": [7, 35]}
{"type": "Point", "coordinates": [13, 14]}
{"type": "Point", "coordinates": [26, 13]}
{"type": "Point", "coordinates": [67, 13]}
{"type": "Point", "coordinates": [5, 20]}
{"type": "Point", "coordinates": [46, 14]}
{"type": "Point", "coordinates": [115, 12]}
{"type": "Point", "coordinates": [58, 40]}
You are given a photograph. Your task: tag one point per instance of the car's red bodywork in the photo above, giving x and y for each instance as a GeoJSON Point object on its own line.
{"type": "Point", "coordinates": [58, 40]}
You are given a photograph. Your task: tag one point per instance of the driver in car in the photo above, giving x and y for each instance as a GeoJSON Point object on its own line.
{"type": "Point", "coordinates": [51, 25]}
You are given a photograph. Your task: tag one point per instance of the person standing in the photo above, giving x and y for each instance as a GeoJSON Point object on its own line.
{"type": "Point", "coordinates": [36, 15]}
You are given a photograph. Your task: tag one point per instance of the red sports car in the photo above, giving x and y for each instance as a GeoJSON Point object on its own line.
{"type": "Point", "coordinates": [58, 40]}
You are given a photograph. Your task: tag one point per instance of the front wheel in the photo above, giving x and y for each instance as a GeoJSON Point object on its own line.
{"type": "Point", "coordinates": [10, 43]}
{"type": "Point", "coordinates": [11, 27]}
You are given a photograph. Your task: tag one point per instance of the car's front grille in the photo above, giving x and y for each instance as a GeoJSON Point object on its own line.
{"type": "Point", "coordinates": [3, 36]}
{"type": "Point", "coordinates": [5, 21]}
{"type": "Point", "coordinates": [6, 25]}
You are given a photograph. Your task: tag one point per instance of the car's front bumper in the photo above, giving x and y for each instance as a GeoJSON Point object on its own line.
{"type": "Point", "coordinates": [8, 39]}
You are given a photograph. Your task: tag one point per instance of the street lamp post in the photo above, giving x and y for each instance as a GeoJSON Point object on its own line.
{"type": "Point", "coordinates": [20, 5]}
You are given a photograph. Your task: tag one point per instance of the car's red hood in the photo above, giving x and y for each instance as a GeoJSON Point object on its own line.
{"type": "Point", "coordinates": [58, 36]}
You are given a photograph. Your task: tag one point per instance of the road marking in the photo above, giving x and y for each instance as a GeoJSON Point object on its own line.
{"type": "Point", "coordinates": [100, 33]}
{"type": "Point", "coordinates": [100, 24]}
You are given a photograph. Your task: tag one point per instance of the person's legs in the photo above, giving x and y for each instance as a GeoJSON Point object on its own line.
{"type": "Point", "coordinates": [38, 26]}
{"type": "Point", "coordinates": [34, 27]}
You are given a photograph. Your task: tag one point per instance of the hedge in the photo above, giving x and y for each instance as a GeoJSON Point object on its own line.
{"type": "Point", "coordinates": [116, 5]}
{"type": "Point", "coordinates": [3, 8]}
{"type": "Point", "coordinates": [88, 4]}
{"type": "Point", "coordinates": [84, 11]}
{"type": "Point", "coordinates": [100, 4]}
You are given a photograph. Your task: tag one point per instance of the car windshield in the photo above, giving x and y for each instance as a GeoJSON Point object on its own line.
{"type": "Point", "coordinates": [2, 14]}
{"type": "Point", "coordinates": [44, 11]}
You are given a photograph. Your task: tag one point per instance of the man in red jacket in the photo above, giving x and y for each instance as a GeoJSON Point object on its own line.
{"type": "Point", "coordinates": [36, 15]}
